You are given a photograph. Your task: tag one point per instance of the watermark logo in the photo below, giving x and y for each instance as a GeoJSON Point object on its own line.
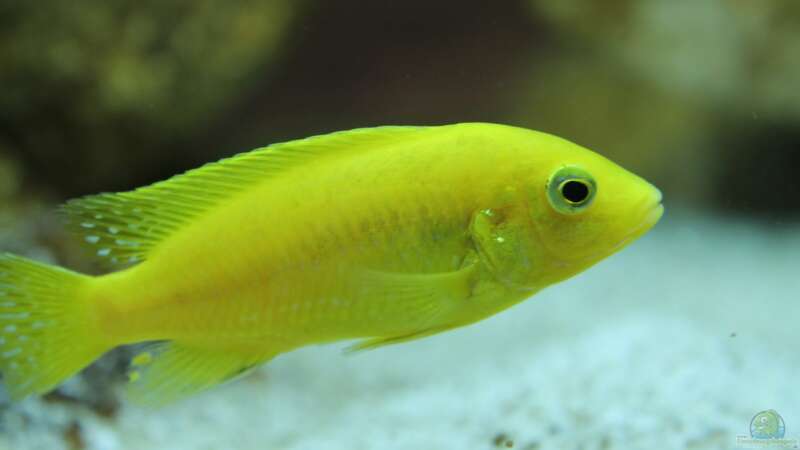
{"type": "Point", "coordinates": [767, 430]}
{"type": "Point", "coordinates": [767, 425]}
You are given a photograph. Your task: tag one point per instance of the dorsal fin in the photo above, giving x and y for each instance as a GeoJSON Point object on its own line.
{"type": "Point", "coordinates": [123, 228]}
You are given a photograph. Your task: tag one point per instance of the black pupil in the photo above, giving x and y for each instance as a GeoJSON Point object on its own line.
{"type": "Point", "coordinates": [575, 191]}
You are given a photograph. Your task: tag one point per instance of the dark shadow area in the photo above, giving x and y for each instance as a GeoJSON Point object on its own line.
{"type": "Point", "coordinates": [759, 176]}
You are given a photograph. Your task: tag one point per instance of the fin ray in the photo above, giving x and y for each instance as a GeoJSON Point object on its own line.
{"type": "Point", "coordinates": [168, 371]}
{"type": "Point", "coordinates": [425, 296]}
{"type": "Point", "coordinates": [123, 228]}
{"type": "Point", "coordinates": [46, 332]}
{"type": "Point", "coordinates": [373, 343]}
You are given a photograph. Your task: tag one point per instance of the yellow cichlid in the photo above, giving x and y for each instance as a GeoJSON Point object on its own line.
{"type": "Point", "coordinates": [386, 234]}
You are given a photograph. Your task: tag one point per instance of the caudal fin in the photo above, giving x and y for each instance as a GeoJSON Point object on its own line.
{"type": "Point", "coordinates": [46, 334]}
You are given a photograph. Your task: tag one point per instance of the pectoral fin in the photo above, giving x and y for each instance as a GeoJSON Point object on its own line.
{"type": "Point", "coordinates": [416, 289]}
{"type": "Point", "coordinates": [422, 298]}
{"type": "Point", "coordinates": [369, 344]}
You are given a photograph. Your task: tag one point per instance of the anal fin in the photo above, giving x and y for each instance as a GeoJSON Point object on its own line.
{"type": "Point", "coordinates": [169, 371]}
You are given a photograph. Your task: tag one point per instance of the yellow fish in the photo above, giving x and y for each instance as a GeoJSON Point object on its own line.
{"type": "Point", "coordinates": [386, 234]}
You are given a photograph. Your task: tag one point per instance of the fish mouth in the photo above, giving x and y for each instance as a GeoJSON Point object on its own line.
{"type": "Point", "coordinates": [651, 217]}
{"type": "Point", "coordinates": [652, 214]}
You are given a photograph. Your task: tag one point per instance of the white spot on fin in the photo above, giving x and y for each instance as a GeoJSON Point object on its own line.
{"type": "Point", "coordinates": [93, 239]}
{"type": "Point", "coordinates": [124, 243]}
{"type": "Point", "coordinates": [12, 353]}
{"type": "Point", "coordinates": [14, 316]}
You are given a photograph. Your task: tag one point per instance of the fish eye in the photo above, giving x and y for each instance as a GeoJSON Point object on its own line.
{"type": "Point", "coordinates": [571, 190]}
{"type": "Point", "coordinates": [575, 192]}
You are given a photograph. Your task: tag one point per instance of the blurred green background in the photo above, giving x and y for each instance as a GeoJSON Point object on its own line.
{"type": "Point", "coordinates": [700, 97]}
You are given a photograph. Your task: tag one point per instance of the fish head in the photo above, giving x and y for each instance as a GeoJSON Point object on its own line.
{"type": "Point", "coordinates": [584, 208]}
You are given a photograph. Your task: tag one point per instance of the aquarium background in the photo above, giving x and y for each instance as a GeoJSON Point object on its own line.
{"type": "Point", "coordinates": [675, 343]}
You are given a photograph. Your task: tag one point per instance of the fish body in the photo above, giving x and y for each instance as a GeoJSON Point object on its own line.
{"type": "Point", "coordinates": [385, 234]}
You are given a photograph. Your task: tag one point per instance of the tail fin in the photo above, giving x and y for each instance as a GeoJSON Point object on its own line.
{"type": "Point", "coordinates": [46, 334]}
